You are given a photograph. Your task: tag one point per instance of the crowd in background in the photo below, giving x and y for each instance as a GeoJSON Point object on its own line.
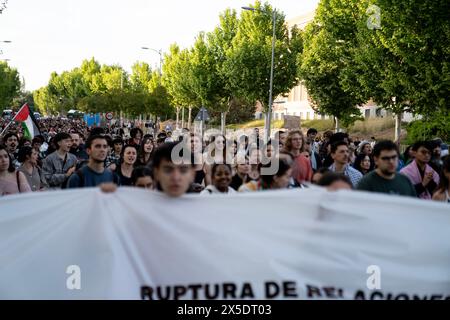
{"type": "Point", "coordinates": [68, 154]}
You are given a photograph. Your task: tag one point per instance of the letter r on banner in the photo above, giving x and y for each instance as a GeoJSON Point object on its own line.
{"type": "Point", "coordinates": [374, 281]}
{"type": "Point", "coordinates": [73, 282]}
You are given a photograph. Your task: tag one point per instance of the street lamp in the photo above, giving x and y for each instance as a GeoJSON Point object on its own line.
{"type": "Point", "coordinates": [269, 115]}
{"type": "Point", "coordinates": [160, 57]}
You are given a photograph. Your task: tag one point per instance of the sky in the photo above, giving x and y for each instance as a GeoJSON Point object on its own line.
{"type": "Point", "coordinates": [56, 35]}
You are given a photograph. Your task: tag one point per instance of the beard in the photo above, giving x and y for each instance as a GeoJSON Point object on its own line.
{"type": "Point", "coordinates": [387, 172]}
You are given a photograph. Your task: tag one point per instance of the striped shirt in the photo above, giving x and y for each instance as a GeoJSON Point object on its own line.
{"type": "Point", "coordinates": [353, 174]}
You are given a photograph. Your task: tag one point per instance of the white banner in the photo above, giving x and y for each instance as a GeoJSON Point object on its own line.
{"type": "Point", "coordinates": [295, 244]}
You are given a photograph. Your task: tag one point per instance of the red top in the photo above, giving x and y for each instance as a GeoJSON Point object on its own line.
{"type": "Point", "coordinates": [301, 169]}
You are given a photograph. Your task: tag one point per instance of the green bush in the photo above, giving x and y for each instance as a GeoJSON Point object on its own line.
{"type": "Point", "coordinates": [429, 127]}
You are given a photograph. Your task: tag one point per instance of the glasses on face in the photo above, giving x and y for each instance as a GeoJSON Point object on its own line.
{"type": "Point", "coordinates": [389, 158]}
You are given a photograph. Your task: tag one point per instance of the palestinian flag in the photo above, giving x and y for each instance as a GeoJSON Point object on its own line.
{"type": "Point", "coordinates": [29, 124]}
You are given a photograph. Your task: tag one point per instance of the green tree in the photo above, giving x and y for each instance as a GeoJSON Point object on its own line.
{"type": "Point", "coordinates": [328, 42]}
{"type": "Point", "coordinates": [9, 85]}
{"type": "Point", "coordinates": [45, 102]}
{"type": "Point", "coordinates": [248, 59]}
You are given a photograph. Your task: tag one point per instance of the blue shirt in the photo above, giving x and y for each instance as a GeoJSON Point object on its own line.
{"type": "Point", "coordinates": [91, 178]}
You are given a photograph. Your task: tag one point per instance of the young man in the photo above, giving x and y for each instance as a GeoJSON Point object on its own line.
{"type": "Point", "coordinates": [94, 173]}
{"type": "Point", "coordinates": [172, 176]}
{"type": "Point", "coordinates": [77, 147]}
{"type": "Point", "coordinates": [422, 176]}
{"type": "Point", "coordinates": [340, 155]}
{"type": "Point", "coordinates": [60, 164]}
{"type": "Point", "coordinates": [11, 141]}
{"type": "Point", "coordinates": [311, 137]}
{"type": "Point", "coordinates": [384, 178]}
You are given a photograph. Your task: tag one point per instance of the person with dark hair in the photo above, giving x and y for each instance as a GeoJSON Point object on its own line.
{"type": "Point", "coordinates": [333, 138]}
{"type": "Point", "coordinates": [37, 142]}
{"type": "Point", "coordinates": [221, 179]}
{"type": "Point", "coordinates": [443, 191]}
{"type": "Point", "coordinates": [173, 176]}
{"type": "Point", "coordinates": [335, 181]}
{"type": "Point", "coordinates": [11, 180]}
{"type": "Point", "coordinates": [146, 150]}
{"type": "Point", "coordinates": [114, 157]}
{"type": "Point", "coordinates": [280, 137]}
{"type": "Point", "coordinates": [24, 142]}
{"type": "Point", "coordinates": [128, 158]}
{"type": "Point", "coordinates": [436, 161]}
{"type": "Point", "coordinates": [28, 156]}
{"type": "Point", "coordinates": [311, 135]}
{"type": "Point", "coordinates": [78, 148]}
{"type": "Point", "coordinates": [142, 177]}
{"type": "Point", "coordinates": [97, 131]}
{"type": "Point", "coordinates": [94, 172]}
{"type": "Point", "coordinates": [216, 152]}
{"type": "Point", "coordinates": [277, 180]}
{"type": "Point", "coordinates": [364, 164]}
{"type": "Point", "coordinates": [364, 148]}
{"type": "Point", "coordinates": [313, 156]}
{"type": "Point", "coordinates": [340, 155]}
{"type": "Point", "coordinates": [420, 173]}
{"type": "Point", "coordinates": [11, 141]}
{"type": "Point", "coordinates": [408, 155]}
{"type": "Point", "coordinates": [59, 165]}
{"type": "Point", "coordinates": [196, 149]}
{"type": "Point", "coordinates": [319, 174]}
{"type": "Point", "coordinates": [385, 178]}
{"type": "Point", "coordinates": [136, 136]}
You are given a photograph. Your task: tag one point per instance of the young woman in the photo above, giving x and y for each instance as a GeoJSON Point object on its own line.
{"type": "Point", "coordinates": [196, 148]}
{"type": "Point", "coordinates": [127, 161]}
{"type": "Point", "coordinates": [443, 191]}
{"type": "Point", "coordinates": [146, 152]}
{"type": "Point", "coordinates": [11, 180]}
{"type": "Point", "coordinates": [295, 145]}
{"type": "Point", "coordinates": [221, 179]}
{"type": "Point", "coordinates": [364, 163]}
{"type": "Point", "coordinates": [241, 175]}
{"type": "Point", "coordinates": [216, 152]}
{"type": "Point", "coordinates": [278, 180]}
{"type": "Point", "coordinates": [29, 159]}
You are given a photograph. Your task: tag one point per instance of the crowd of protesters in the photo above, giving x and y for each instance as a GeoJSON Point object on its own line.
{"type": "Point", "coordinates": [68, 154]}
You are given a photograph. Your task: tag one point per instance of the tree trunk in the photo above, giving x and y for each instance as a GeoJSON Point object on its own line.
{"type": "Point", "coordinates": [398, 127]}
{"type": "Point", "coordinates": [178, 112]}
{"type": "Point", "coordinates": [337, 128]}
{"type": "Point", "coordinates": [189, 118]}
{"type": "Point", "coordinates": [182, 117]}
{"type": "Point", "coordinates": [223, 116]}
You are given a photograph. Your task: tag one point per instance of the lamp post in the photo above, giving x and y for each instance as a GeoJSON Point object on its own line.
{"type": "Point", "coordinates": [269, 114]}
{"type": "Point", "coordinates": [160, 57]}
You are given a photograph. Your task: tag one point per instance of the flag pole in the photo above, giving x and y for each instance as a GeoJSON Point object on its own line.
{"type": "Point", "coordinates": [1, 134]}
